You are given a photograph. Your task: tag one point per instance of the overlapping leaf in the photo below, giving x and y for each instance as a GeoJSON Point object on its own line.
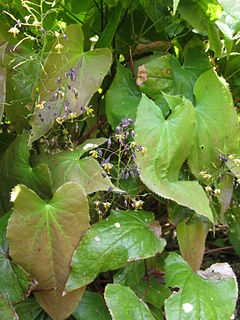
{"type": "Point", "coordinates": [111, 243]}
{"type": "Point", "coordinates": [29, 309]}
{"type": "Point", "coordinates": [169, 143]}
{"type": "Point", "coordinates": [124, 304]}
{"type": "Point", "coordinates": [216, 123]}
{"type": "Point", "coordinates": [14, 280]}
{"type": "Point", "coordinates": [209, 295]}
{"type": "Point", "coordinates": [68, 166]}
{"type": "Point", "coordinates": [15, 169]}
{"type": "Point", "coordinates": [7, 311]}
{"type": "Point", "coordinates": [52, 231]}
{"type": "Point", "coordinates": [89, 69]}
{"type": "Point", "coordinates": [92, 306]}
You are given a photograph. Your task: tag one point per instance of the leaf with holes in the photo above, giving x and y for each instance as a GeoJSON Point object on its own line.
{"type": "Point", "coordinates": [124, 236]}
{"type": "Point", "coordinates": [52, 231]}
{"type": "Point", "coordinates": [206, 295]}
{"type": "Point", "coordinates": [123, 303]}
{"type": "Point", "coordinates": [168, 144]}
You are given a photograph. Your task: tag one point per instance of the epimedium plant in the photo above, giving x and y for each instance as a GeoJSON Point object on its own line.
{"type": "Point", "coordinates": [120, 159]}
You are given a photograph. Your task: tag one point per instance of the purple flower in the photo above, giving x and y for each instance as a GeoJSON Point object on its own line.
{"type": "Point", "coordinates": [65, 36]}
{"type": "Point", "coordinates": [47, 142]}
{"type": "Point", "coordinates": [104, 175]}
{"type": "Point", "coordinates": [126, 135]}
{"type": "Point", "coordinates": [43, 31]}
{"type": "Point", "coordinates": [125, 203]}
{"type": "Point", "coordinates": [110, 189]}
{"type": "Point", "coordinates": [137, 171]}
{"type": "Point", "coordinates": [220, 178]}
{"type": "Point", "coordinates": [126, 175]}
{"type": "Point", "coordinates": [131, 173]}
{"type": "Point", "coordinates": [52, 141]}
{"type": "Point", "coordinates": [134, 155]}
{"type": "Point", "coordinates": [122, 173]}
{"type": "Point", "coordinates": [65, 74]}
{"type": "Point", "coordinates": [133, 134]}
{"type": "Point", "coordinates": [58, 80]}
{"type": "Point", "coordinates": [100, 153]}
{"type": "Point", "coordinates": [19, 23]}
{"type": "Point", "coordinates": [109, 142]}
{"type": "Point", "coordinates": [121, 142]}
{"type": "Point", "coordinates": [118, 129]}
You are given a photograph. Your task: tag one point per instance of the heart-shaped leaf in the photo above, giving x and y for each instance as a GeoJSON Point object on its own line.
{"type": "Point", "coordinates": [124, 236]}
{"type": "Point", "coordinates": [52, 231]}
{"type": "Point", "coordinates": [91, 306]}
{"type": "Point", "coordinates": [85, 72]}
{"type": "Point", "coordinates": [15, 169]}
{"type": "Point", "coordinates": [206, 295]}
{"type": "Point", "coordinates": [124, 304]}
{"type": "Point", "coordinates": [216, 123]}
{"type": "Point", "coordinates": [168, 144]}
{"type": "Point", "coordinates": [68, 166]}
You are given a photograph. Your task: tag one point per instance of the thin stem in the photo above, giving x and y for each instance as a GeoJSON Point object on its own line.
{"type": "Point", "coordinates": [233, 74]}
{"type": "Point", "coordinates": [147, 278]}
{"type": "Point", "coordinates": [145, 20]}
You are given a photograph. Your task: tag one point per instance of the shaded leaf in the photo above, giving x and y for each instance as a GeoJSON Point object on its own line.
{"type": "Point", "coordinates": [2, 80]}
{"type": "Point", "coordinates": [226, 187]}
{"type": "Point", "coordinates": [92, 306]}
{"type": "Point", "coordinates": [122, 98]}
{"type": "Point", "coordinates": [216, 123]}
{"type": "Point", "coordinates": [169, 143]}
{"type": "Point", "coordinates": [191, 240]}
{"type": "Point", "coordinates": [207, 295]}
{"type": "Point", "coordinates": [29, 309]}
{"type": "Point", "coordinates": [124, 304]}
{"type": "Point", "coordinates": [156, 293]}
{"type": "Point", "coordinates": [123, 237]}
{"type": "Point", "coordinates": [15, 169]}
{"type": "Point", "coordinates": [52, 231]}
{"type": "Point", "coordinates": [68, 166]}
{"type": "Point", "coordinates": [89, 70]}
{"type": "Point", "coordinates": [131, 274]}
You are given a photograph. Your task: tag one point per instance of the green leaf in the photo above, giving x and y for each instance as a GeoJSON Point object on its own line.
{"type": "Point", "coordinates": [164, 74]}
{"type": "Point", "coordinates": [109, 31]}
{"type": "Point", "coordinates": [2, 80]}
{"type": "Point", "coordinates": [214, 38]}
{"type": "Point", "coordinates": [226, 187]}
{"type": "Point", "coordinates": [131, 274]}
{"type": "Point", "coordinates": [124, 304]}
{"type": "Point", "coordinates": [191, 240]}
{"type": "Point", "coordinates": [7, 311]}
{"type": "Point", "coordinates": [231, 7]}
{"type": "Point", "coordinates": [52, 231]}
{"type": "Point", "coordinates": [217, 128]}
{"type": "Point", "coordinates": [206, 295]}
{"type": "Point", "coordinates": [156, 292]}
{"type": "Point", "coordinates": [123, 237]}
{"type": "Point", "coordinates": [169, 143]}
{"type": "Point", "coordinates": [92, 306]}
{"type": "Point", "coordinates": [15, 169]}
{"type": "Point", "coordinates": [68, 166]}
{"type": "Point", "coordinates": [14, 280]}
{"type": "Point", "coordinates": [122, 98]}
{"type": "Point", "coordinates": [90, 69]}
{"type": "Point", "coordinates": [29, 309]}
{"type": "Point", "coordinates": [175, 5]}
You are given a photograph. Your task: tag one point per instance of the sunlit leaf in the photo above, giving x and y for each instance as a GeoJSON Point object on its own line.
{"type": "Point", "coordinates": [209, 294]}
{"type": "Point", "coordinates": [123, 237]}
{"type": "Point", "coordinates": [217, 128]}
{"type": "Point", "coordinates": [52, 231]}
{"type": "Point", "coordinates": [168, 144]}
{"type": "Point", "coordinates": [124, 304]}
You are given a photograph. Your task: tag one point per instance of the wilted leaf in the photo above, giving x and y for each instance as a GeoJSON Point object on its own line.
{"type": "Point", "coordinates": [216, 123]}
{"type": "Point", "coordinates": [124, 304]}
{"type": "Point", "coordinates": [169, 143]}
{"type": "Point", "coordinates": [89, 69]}
{"type": "Point", "coordinates": [122, 98]}
{"type": "Point", "coordinates": [209, 294]}
{"type": "Point", "coordinates": [52, 231]}
{"type": "Point", "coordinates": [123, 237]}
{"type": "Point", "coordinates": [226, 187]}
{"type": "Point", "coordinates": [15, 169]}
{"type": "Point", "coordinates": [68, 166]}
{"type": "Point", "coordinates": [91, 306]}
